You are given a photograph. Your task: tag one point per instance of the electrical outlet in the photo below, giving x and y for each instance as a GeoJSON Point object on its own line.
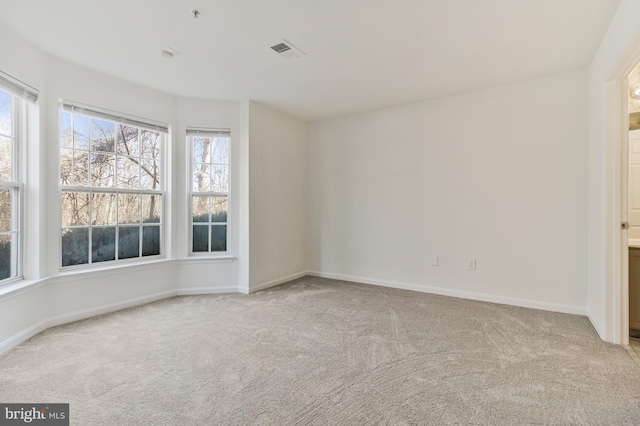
{"type": "Point", "coordinates": [435, 261]}
{"type": "Point", "coordinates": [472, 265]}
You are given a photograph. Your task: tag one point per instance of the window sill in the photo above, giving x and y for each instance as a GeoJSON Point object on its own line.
{"type": "Point", "coordinates": [208, 259]}
{"type": "Point", "coordinates": [105, 270]}
{"type": "Point", "coordinates": [18, 287]}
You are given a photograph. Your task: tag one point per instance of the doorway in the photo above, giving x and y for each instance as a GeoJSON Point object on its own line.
{"type": "Point", "coordinates": [633, 203]}
{"type": "Point", "coordinates": [614, 299]}
{"type": "Point", "coordinates": [608, 300]}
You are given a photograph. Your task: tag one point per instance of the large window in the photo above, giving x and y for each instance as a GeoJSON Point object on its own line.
{"type": "Point", "coordinates": [14, 98]}
{"type": "Point", "coordinates": [209, 189]}
{"type": "Point", "coordinates": [10, 188]}
{"type": "Point", "coordinates": [111, 186]}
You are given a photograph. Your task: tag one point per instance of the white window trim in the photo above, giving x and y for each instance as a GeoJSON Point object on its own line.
{"type": "Point", "coordinates": [110, 115]}
{"type": "Point", "coordinates": [7, 84]}
{"type": "Point", "coordinates": [227, 255]}
{"type": "Point", "coordinates": [18, 88]}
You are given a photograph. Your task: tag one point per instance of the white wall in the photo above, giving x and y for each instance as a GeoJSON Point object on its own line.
{"type": "Point", "coordinates": [277, 187]}
{"type": "Point", "coordinates": [602, 179]}
{"type": "Point", "coordinates": [496, 175]}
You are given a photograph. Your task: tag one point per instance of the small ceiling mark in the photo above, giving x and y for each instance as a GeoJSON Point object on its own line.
{"type": "Point", "coordinates": [196, 13]}
{"type": "Point", "coordinates": [169, 52]}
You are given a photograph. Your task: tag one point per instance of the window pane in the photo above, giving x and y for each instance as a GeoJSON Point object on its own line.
{"type": "Point", "coordinates": [80, 168]}
{"type": "Point", "coordinates": [74, 167]}
{"type": "Point", "coordinates": [103, 244]}
{"type": "Point", "coordinates": [219, 238]}
{"type": "Point", "coordinates": [66, 130]}
{"type": "Point", "coordinates": [201, 209]}
{"type": "Point", "coordinates": [75, 208]}
{"type": "Point", "coordinates": [75, 246]}
{"type": "Point", "coordinates": [200, 238]}
{"type": "Point", "coordinates": [150, 240]}
{"type": "Point", "coordinates": [128, 172]}
{"type": "Point", "coordinates": [102, 135]}
{"type": "Point", "coordinates": [149, 174]}
{"type": "Point", "coordinates": [128, 141]}
{"type": "Point", "coordinates": [103, 170]}
{"type": "Point", "coordinates": [219, 209]}
{"type": "Point", "coordinates": [9, 207]}
{"type": "Point", "coordinates": [6, 210]}
{"type": "Point", "coordinates": [5, 256]}
{"type": "Point", "coordinates": [220, 178]}
{"type": "Point", "coordinates": [201, 149]}
{"type": "Point", "coordinates": [66, 167]}
{"type": "Point", "coordinates": [128, 242]}
{"type": "Point", "coordinates": [129, 208]}
{"type": "Point", "coordinates": [151, 208]}
{"type": "Point", "coordinates": [150, 144]}
{"type": "Point", "coordinates": [6, 158]}
{"type": "Point", "coordinates": [6, 113]}
{"type": "Point", "coordinates": [201, 177]}
{"type": "Point", "coordinates": [80, 132]}
{"type": "Point", "coordinates": [103, 209]}
{"type": "Point", "coordinates": [221, 151]}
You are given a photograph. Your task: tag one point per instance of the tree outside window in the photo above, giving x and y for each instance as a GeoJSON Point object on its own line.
{"type": "Point", "coordinates": [209, 190]}
{"type": "Point", "coordinates": [111, 178]}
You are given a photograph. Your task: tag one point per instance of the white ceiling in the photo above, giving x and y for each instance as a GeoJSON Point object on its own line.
{"type": "Point", "coordinates": [360, 54]}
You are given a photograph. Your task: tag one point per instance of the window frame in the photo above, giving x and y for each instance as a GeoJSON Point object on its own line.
{"type": "Point", "coordinates": [16, 185]}
{"type": "Point", "coordinates": [192, 132]}
{"type": "Point", "coordinates": [117, 119]}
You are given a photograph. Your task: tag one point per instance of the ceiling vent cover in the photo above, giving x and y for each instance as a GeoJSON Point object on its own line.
{"type": "Point", "coordinates": [287, 50]}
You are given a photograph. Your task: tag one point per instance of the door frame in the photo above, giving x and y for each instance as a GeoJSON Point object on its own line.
{"type": "Point", "coordinates": [616, 286]}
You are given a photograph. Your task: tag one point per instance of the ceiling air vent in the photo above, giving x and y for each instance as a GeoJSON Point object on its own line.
{"type": "Point", "coordinates": [288, 50]}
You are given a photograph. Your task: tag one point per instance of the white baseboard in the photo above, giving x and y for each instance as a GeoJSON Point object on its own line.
{"type": "Point", "coordinates": [545, 306]}
{"type": "Point", "coordinates": [105, 309]}
{"type": "Point", "coordinates": [193, 291]}
{"type": "Point", "coordinates": [596, 325]}
{"type": "Point", "coordinates": [277, 281]}
{"type": "Point", "coordinates": [24, 335]}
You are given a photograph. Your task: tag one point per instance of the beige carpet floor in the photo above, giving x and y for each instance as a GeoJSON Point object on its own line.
{"type": "Point", "coordinates": [318, 352]}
